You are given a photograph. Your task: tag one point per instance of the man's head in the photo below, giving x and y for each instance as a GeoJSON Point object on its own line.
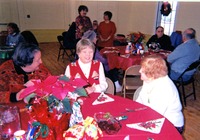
{"type": "Point", "coordinates": [188, 34]}
{"type": "Point", "coordinates": [159, 31]}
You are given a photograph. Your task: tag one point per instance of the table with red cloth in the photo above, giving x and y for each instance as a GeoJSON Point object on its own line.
{"type": "Point", "coordinates": [116, 108]}
{"type": "Point", "coordinates": [117, 58]}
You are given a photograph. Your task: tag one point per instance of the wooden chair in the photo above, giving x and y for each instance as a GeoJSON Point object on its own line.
{"type": "Point", "coordinates": [111, 87]}
{"type": "Point", "coordinates": [131, 79]}
{"type": "Point", "coordinates": [180, 83]}
{"type": "Point", "coordinates": [63, 50]}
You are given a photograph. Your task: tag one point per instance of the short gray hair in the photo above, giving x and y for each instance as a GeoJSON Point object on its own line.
{"type": "Point", "coordinates": [91, 35]}
{"type": "Point", "coordinates": [189, 33]}
{"type": "Point", "coordinates": [84, 43]}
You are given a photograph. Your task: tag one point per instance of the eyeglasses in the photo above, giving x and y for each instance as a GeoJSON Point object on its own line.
{"type": "Point", "coordinates": [160, 31]}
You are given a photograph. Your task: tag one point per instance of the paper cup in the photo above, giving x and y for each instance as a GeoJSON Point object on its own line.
{"type": "Point", "coordinates": [19, 135]}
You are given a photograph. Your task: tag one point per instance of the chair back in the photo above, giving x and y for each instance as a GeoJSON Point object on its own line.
{"type": "Point", "coordinates": [66, 50]}
{"type": "Point", "coordinates": [131, 80]}
{"type": "Point", "coordinates": [60, 40]}
{"type": "Point", "coordinates": [136, 93]}
{"type": "Point", "coordinates": [29, 37]}
{"type": "Point", "coordinates": [192, 66]}
{"type": "Point", "coordinates": [176, 38]}
{"type": "Point", "coordinates": [133, 70]}
{"type": "Point", "coordinates": [180, 83]}
{"type": "Point", "coordinates": [111, 87]}
{"type": "Point", "coordinates": [69, 42]}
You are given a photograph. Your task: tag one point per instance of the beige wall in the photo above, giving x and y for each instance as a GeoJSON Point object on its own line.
{"type": "Point", "coordinates": [188, 16]}
{"type": "Point", "coordinates": [8, 12]}
{"type": "Point", "coordinates": [49, 17]}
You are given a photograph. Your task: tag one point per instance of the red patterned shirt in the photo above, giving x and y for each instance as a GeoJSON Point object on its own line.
{"type": "Point", "coordinates": [13, 78]}
{"type": "Point", "coordinates": [85, 22]}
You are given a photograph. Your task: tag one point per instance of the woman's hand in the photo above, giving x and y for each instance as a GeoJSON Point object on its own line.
{"type": "Point", "coordinates": [103, 40]}
{"type": "Point", "coordinates": [90, 89]}
{"type": "Point", "coordinates": [107, 38]}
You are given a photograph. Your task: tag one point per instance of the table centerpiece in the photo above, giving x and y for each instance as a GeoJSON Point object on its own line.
{"type": "Point", "coordinates": [53, 106]}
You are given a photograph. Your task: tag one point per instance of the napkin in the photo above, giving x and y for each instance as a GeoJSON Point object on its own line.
{"type": "Point", "coordinates": [125, 55]}
{"type": "Point", "coordinates": [111, 51]}
{"type": "Point", "coordinates": [102, 98]}
{"type": "Point", "coordinates": [153, 126]}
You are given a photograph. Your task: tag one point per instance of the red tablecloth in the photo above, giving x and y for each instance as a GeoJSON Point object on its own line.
{"type": "Point", "coordinates": [116, 57]}
{"type": "Point", "coordinates": [24, 117]}
{"type": "Point", "coordinates": [119, 104]}
{"type": "Point", "coordinates": [116, 108]}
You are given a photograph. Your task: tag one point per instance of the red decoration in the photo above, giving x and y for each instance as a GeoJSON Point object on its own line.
{"type": "Point", "coordinates": [56, 123]}
{"type": "Point", "coordinates": [51, 108]}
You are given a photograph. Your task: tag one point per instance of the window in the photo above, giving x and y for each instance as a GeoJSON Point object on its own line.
{"type": "Point", "coordinates": [167, 22]}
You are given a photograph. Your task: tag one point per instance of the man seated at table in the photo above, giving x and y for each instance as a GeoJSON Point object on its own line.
{"type": "Point", "coordinates": [160, 39]}
{"type": "Point", "coordinates": [26, 64]}
{"type": "Point", "coordinates": [184, 55]}
{"type": "Point", "coordinates": [86, 68]}
{"type": "Point", "coordinates": [159, 92]}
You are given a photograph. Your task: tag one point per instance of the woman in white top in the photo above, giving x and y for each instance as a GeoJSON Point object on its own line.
{"type": "Point", "coordinates": [86, 68]}
{"type": "Point", "coordinates": [159, 92]}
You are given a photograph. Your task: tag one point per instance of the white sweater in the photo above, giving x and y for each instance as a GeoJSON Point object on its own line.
{"type": "Point", "coordinates": [162, 95]}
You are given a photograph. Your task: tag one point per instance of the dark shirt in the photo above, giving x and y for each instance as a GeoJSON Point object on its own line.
{"type": "Point", "coordinates": [164, 41]}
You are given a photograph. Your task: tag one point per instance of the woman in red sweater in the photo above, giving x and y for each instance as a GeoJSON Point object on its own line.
{"type": "Point", "coordinates": [106, 31]}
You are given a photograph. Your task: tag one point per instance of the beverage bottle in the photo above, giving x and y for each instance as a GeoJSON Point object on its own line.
{"type": "Point", "coordinates": [128, 48]}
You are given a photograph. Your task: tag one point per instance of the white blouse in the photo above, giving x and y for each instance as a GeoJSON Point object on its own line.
{"type": "Point", "coordinates": [162, 95]}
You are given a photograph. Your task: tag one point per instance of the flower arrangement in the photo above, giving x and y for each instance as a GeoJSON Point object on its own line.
{"type": "Point", "coordinates": [54, 107]}
{"type": "Point", "coordinates": [135, 37]}
{"type": "Point", "coordinates": [136, 40]}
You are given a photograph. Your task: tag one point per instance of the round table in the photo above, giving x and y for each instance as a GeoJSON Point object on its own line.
{"type": "Point", "coordinates": [117, 58]}
{"type": "Point", "coordinates": [117, 108]}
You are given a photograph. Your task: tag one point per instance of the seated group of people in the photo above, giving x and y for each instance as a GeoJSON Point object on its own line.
{"type": "Point", "coordinates": [182, 55]}
{"type": "Point", "coordinates": [158, 90]}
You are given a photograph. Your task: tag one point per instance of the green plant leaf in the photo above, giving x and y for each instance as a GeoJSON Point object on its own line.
{"type": "Point", "coordinates": [64, 78]}
{"type": "Point", "coordinates": [67, 105]}
{"type": "Point", "coordinates": [81, 91]}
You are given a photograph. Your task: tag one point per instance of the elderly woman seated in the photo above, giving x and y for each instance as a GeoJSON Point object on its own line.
{"type": "Point", "coordinates": [25, 65]}
{"type": "Point", "coordinates": [159, 92]}
{"type": "Point", "coordinates": [86, 68]}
